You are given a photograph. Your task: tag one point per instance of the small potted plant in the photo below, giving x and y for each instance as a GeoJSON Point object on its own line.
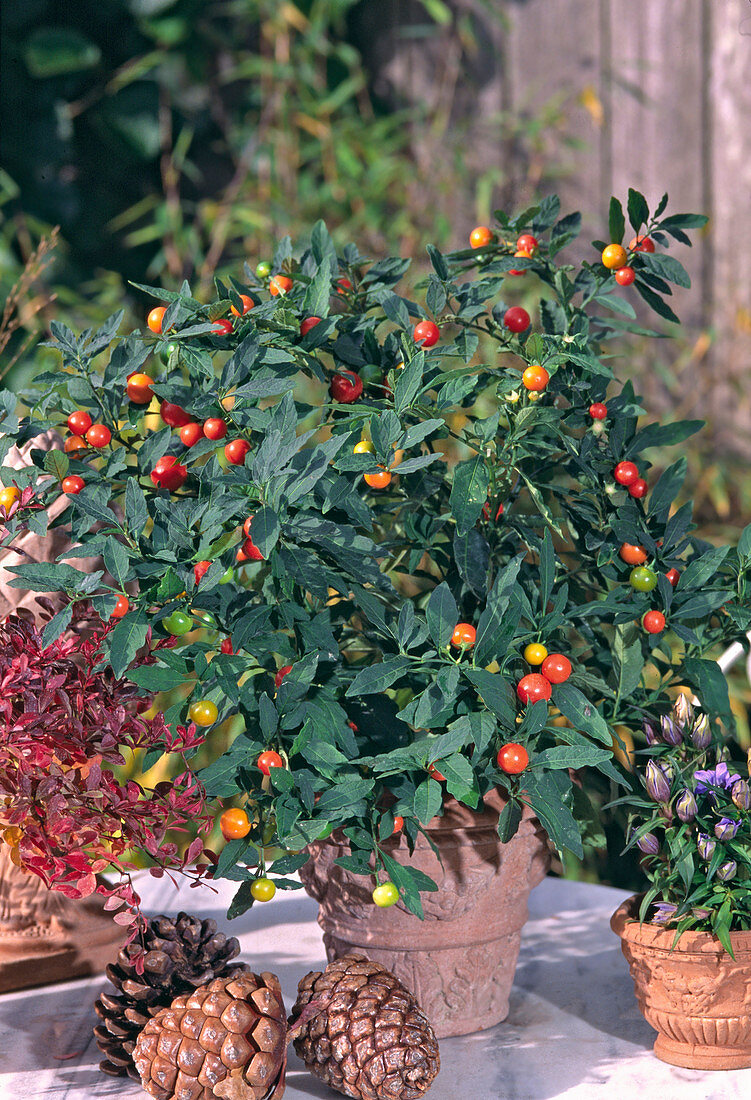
{"type": "Point", "coordinates": [688, 938]}
{"type": "Point", "coordinates": [411, 549]}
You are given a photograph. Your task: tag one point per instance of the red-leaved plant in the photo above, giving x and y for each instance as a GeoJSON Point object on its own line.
{"type": "Point", "coordinates": [65, 723]}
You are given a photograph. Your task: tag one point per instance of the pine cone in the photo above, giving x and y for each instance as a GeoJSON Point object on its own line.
{"type": "Point", "coordinates": [182, 953]}
{"type": "Point", "coordinates": [226, 1039]}
{"type": "Point", "coordinates": [371, 1040]}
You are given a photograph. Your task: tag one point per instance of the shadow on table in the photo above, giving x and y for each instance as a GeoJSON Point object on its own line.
{"type": "Point", "coordinates": [582, 970]}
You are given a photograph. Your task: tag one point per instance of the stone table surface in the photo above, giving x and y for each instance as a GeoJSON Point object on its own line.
{"type": "Point", "coordinates": [573, 1030]}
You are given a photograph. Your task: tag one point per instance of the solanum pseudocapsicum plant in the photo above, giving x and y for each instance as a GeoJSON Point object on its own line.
{"type": "Point", "coordinates": [408, 546]}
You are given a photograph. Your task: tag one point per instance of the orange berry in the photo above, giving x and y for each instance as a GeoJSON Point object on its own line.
{"type": "Point", "coordinates": [155, 318]}
{"type": "Point", "coordinates": [139, 388]}
{"type": "Point", "coordinates": [380, 480]}
{"type": "Point", "coordinates": [480, 237]}
{"type": "Point", "coordinates": [234, 824]}
{"type": "Point", "coordinates": [280, 284]}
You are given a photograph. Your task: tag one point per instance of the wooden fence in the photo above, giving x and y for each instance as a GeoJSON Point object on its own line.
{"type": "Point", "coordinates": [658, 96]}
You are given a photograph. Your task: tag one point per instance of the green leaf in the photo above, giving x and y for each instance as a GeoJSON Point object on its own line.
{"type": "Point", "coordinates": [638, 211]}
{"type": "Point", "coordinates": [571, 756]}
{"type": "Point", "coordinates": [710, 685]}
{"type": "Point", "coordinates": [127, 637]}
{"type": "Point", "coordinates": [495, 693]}
{"type": "Point", "coordinates": [378, 677]}
{"type": "Point", "coordinates": [582, 714]}
{"type": "Point", "coordinates": [241, 902]}
{"type": "Point", "coordinates": [667, 488]}
{"type": "Point", "coordinates": [666, 267]}
{"type": "Point", "coordinates": [547, 570]}
{"type": "Point", "coordinates": [744, 542]}
{"type": "Point", "coordinates": [628, 658]}
{"type": "Point", "coordinates": [265, 529]}
{"type": "Point", "coordinates": [655, 302]}
{"type": "Point", "coordinates": [427, 801]}
{"type": "Point", "coordinates": [541, 506]}
{"type": "Point", "coordinates": [57, 625]}
{"type": "Point", "coordinates": [57, 463]}
{"type": "Point", "coordinates": [56, 51]}
{"type": "Point", "coordinates": [472, 555]}
{"type": "Point", "coordinates": [496, 623]}
{"type": "Point", "coordinates": [469, 491]}
{"type": "Point", "coordinates": [509, 820]}
{"type": "Point", "coordinates": [46, 576]}
{"type": "Point", "coordinates": [408, 383]}
{"type": "Point", "coordinates": [616, 221]}
{"type": "Point", "coordinates": [439, 264]}
{"type": "Point", "coordinates": [544, 794]}
{"type": "Point", "coordinates": [701, 569]}
{"type": "Point", "coordinates": [442, 615]}
{"type": "Point", "coordinates": [116, 560]}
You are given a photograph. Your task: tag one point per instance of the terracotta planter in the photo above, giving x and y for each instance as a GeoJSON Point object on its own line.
{"type": "Point", "coordinates": [46, 937]}
{"type": "Point", "coordinates": [459, 961]}
{"type": "Point", "coordinates": [695, 996]}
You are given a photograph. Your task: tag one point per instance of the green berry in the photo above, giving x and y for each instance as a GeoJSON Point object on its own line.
{"type": "Point", "coordinates": [385, 895]}
{"type": "Point", "coordinates": [263, 269]}
{"type": "Point", "coordinates": [178, 623]}
{"type": "Point", "coordinates": [642, 578]}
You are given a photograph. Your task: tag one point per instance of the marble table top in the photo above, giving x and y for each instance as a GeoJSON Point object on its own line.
{"type": "Point", "coordinates": [573, 1030]}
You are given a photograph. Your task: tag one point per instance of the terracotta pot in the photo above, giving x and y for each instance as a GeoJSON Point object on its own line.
{"type": "Point", "coordinates": [695, 995]}
{"type": "Point", "coordinates": [460, 961]}
{"type": "Point", "coordinates": [46, 937]}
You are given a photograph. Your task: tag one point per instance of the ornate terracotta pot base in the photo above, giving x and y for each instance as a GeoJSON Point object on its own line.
{"type": "Point", "coordinates": [696, 996]}
{"type": "Point", "coordinates": [46, 937]}
{"type": "Point", "coordinates": [460, 961]}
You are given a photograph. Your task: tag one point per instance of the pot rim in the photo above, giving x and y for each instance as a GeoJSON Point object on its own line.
{"type": "Point", "coordinates": [625, 923]}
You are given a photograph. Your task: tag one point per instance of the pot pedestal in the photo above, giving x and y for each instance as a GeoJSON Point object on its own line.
{"type": "Point", "coordinates": [695, 995]}
{"type": "Point", "coordinates": [46, 937]}
{"type": "Point", "coordinates": [460, 961]}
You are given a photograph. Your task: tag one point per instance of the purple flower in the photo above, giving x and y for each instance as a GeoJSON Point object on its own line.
{"type": "Point", "coordinates": [726, 828]}
{"type": "Point", "coordinates": [705, 846]}
{"type": "Point", "coordinates": [649, 844]}
{"type": "Point", "coordinates": [650, 733]}
{"type": "Point", "coordinates": [700, 913]}
{"type": "Point", "coordinates": [710, 778]}
{"type": "Point", "coordinates": [685, 806]}
{"type": "Point", "coordinates": [664, 910]}
{"type": "Point", "coordinates": [656, 782]}
{"type": "Point", "coordinates": [741, 795]}
{"type": "Point", "coordinates": [671, 732]}
{"type": "Point", "coordinates": [727, 871]}
{"type": "Point", "coordinates": [683, 710]}
{"type": "Point", "coordinates": [701, 734]}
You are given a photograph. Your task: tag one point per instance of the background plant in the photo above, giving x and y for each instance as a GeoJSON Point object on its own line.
{"type": "Point", "coordinates": [344, 662]}
{"type": "Point", "coordinates": [66, 724]}
{"type": "Point", "coordinates": [691, 821]}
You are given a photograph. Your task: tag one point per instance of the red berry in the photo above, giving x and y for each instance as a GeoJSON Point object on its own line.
{"type": "Point", "coordinates": [249, 552]}
{"type": "Point", "coordinates": [73, 444]}
{"type": "Point", "coordinates": [435, 774]}
{"type": "Point", "coordinates": [486, 512]}
{"type": "Point", "coordinates": [268, 760]}
{"type": "Point", "coordinates": [464, 635]}
{"type": "Point", "coordinates": [226, 646]}
{"type": "Point", "coordinates": [426, 333]}
{"type": "Point", "coordinates": [280, 674]}
{"type": "Point", "coordinates": [155, 318]}
{"type": "Point", "coordinates": [173, 415]}
{"type": "Point", "coordinates": [98, 435]}
{"type": "Point", "coordinates": [214, 428]}
{"type": "Point", "coordinates": [653, 622]}
{"type": "Point", "coordinates": [343, 285]}
{"type": "Point", "coordinates": [236, 450]}
{"type": "Point", "coordinates": [308, 324]}
{"type": "Point", "coordinates": [247, 302]}
{"type": "Point", "coordinates": [168, 473]}
{"type": "Point", "coordinates": [625, 276]}
{"type": "Point", "coordinates": [512, 758]}
{"type": "Point", "coordinates": [200, 569]}
{"type": "Point", "coordinates": [672, 576]}
{"type": "Point", "coordinates": [527, 243]}
{"type": "Point", "coordinates": [121, 607]}
{"type": "Point", "coordinates": [631, 554]}
{"type": "Point", "coordinates": [346, 387]}
{"type": "Point", "coordinates": [398, 824]}
{"type": "Point", "coordinates": [638, 488]}
{"type": "Point", "coordinates": [72, 485]}
{"type": "Point", "coordinates": [516, 319]}
{"type": "Point", "coordinates": [641, 244]}
{"type": "Point", "coordinates": [191, 433]}
{"type": "Point", "coordinates": [626, 473]}
{"type": "Point", "coordinates": [223, 327]}
{"type": "Point", "coordinates": [280, 284]}
{"type": "Point", "coordinates": [556, 667]}
{"type": "Point", "coordinates": [598, 411]}
{"type": "Point", "coordinates": [79, 422]}
{"type": "Point", "coordinates": [532, 687]}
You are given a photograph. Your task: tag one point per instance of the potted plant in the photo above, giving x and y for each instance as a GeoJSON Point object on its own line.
{"type": "Point", "coordinates": [413, 547]}
{"type": "Point", "coordinates": [688, 938]}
